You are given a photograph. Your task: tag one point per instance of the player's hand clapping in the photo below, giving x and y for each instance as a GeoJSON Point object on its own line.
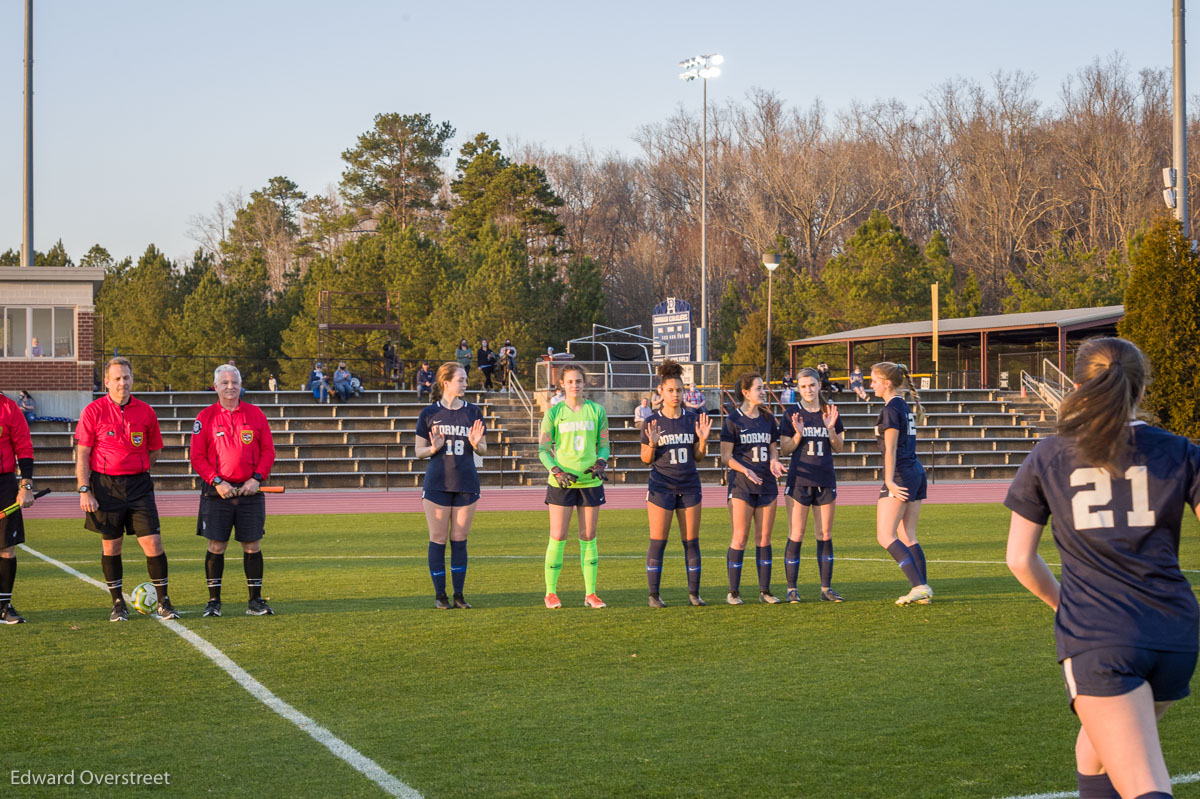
{"type": "Point", "coordinates": [830, 416]}
{"type": "Point", "coordinates": [436, 438]}
{"type": "Point", "coordinates": [477, 433]}
{"type": "Point", "coordinates": [703, 427]}
{"type": "Point", "coordinates": [652, 432]}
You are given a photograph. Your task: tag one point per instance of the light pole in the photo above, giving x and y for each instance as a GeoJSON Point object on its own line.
{"type": "Point", "coordinates": [703, 67]}
{"type": "Point", "coordinates": [770, 261]}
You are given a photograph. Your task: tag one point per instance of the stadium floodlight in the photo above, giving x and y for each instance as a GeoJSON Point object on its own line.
{"type": "Point", "coordinates": [704, 67]}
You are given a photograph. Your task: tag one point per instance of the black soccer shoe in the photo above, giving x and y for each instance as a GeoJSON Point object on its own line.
{"type": "Point", "coordinates": [259, 607]}
{"type": "Point", "coordinates": [459, 602]}
{"type": "Point", "coordinates": [166, 610]}
{"type": "Point", "coordinates": [212, 608]}
{"type": "Point", "coordinates": [10, 616]}
{"type": "Point", "coordinates": [119, 611]}
{"type": "Point", "coordinates": [442, 602]}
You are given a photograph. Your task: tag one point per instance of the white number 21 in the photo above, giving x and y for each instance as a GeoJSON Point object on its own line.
{"type": "Point", "coordinates": [1101, 494]}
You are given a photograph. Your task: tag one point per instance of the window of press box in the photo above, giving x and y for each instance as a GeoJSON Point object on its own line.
{"type": "Point", "coordinates": [37, 332]}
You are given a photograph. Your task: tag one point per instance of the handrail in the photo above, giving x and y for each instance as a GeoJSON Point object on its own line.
{"type": "Point", "coordinates": [516, 388]}
{"type": "Point", "coordinates": [1048, 367]}
{"type": "Point", "coordinates": [1044, 391]}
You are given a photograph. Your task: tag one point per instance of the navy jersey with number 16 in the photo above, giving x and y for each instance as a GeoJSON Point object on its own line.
{"type": "Point", "coordinates": [452, 468]}
{"type": "Point", "coordinates": [673, 470]}
{"type": "Point", "coordinates": [752, 440]}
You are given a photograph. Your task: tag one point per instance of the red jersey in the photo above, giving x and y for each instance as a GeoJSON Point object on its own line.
{"type": "Point", "coordinates": [14, 435]}
{"type": "Point", "coordinates": [121, 437]}
{"type": "Point", "coordinates": [232, 445]}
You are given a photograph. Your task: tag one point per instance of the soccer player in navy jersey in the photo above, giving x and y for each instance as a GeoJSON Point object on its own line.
{"type": "Point", "coordinates": [673, 439]}
{"type": "Point", "coordinates": [750, 450]}
{"type": "Point", "coordinates": [899, 504]}
{"type": "Point", "coordinates": [811, 432]}
{"type": "Point", "coordinates": [1126, 620]}
{"type": "Point", "coordinates": [450, 432]}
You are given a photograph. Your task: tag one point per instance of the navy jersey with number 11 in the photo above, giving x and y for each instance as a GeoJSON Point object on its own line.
{"type": "Point", "coordinates": [673, 470]}
{"type": "Point", "coordinates": [812, 461]}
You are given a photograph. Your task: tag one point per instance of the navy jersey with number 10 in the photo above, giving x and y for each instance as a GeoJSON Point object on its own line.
{"type": "Point", "coordinates": [1118, 539]}
{"type": "Point", "coordinates": [452, 468]}
{"type": "Point", "coordinates": [673, 470]}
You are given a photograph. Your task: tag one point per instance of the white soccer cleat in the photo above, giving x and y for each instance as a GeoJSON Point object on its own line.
{"type": "Point", "coordinates": [921, 594]}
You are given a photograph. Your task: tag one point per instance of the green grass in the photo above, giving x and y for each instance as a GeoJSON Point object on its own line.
{"type": "Point", "coordinates": [962, 698]}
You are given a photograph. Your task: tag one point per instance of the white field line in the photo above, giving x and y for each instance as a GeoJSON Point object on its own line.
{"type": "Point", "coordinates": [1182, 779]}
{"type": "Point", "coordinates": [356, 760]}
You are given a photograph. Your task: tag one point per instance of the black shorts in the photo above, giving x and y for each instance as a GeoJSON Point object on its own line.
{"type": "Point", "coordinates": [245, 517]}
{"type": "Point", "coordinates": [1117, 670]}
{"type": "Point", "coordinates": [589, 497]}
{"type": "Point", "coordinates": [753, 500]}
{"type": "Point", "coordinates": [813, 495]}
{"type": "Point", "coordinates": [915, 483]}
{"type": "Point", "coordinates": [12, 526]}
{"type": "Point", "coordinates": [126, 506]}
{"type": "Point", "coordinates": [450, 499]}
{"type": "Point", "coordinates": [673, 501]}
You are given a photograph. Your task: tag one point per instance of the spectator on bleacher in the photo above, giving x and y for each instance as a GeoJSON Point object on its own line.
{"type": "Point", "coordinates": [272, 383]}
{"type": "Point", "coordinates": [487, 362]}
{"type": "Point", "coordinates": [341, 382]}
{"type": "Point", "coordinates": [856, 382]}
{"type": "Point", "coordinates": [508, 362]}
{"type": "Point", "coordinates": [693, 399]}
{"type": "Point", "coordinates": [641, 413]}
{"type": "Point", "coordinates": [424, 381]}
{"type": "Point", "coordinates": [557, 397]}
{"type": "Point", "coordinates": [27, 405]}
{"type": "Point", "coordinates": [787, 388]}
{"type": "Point", "coordinates": [356, 387]}
{"type": "Point", "coordinates": [464, 356]}
{"type": "Point", "coordinates": [314, 379]}
{"type": "Point", "coordinates": [36, 349]}
{"type": "Point", "coordinates": [389, 361]}
{"type": "Point", "coordinates": [826, 383]}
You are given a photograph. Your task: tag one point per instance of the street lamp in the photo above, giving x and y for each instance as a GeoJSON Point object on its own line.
{"type": "Point", "coordinates": [770, 261]}
{"type": "Point", "coordinates": [703, 67]}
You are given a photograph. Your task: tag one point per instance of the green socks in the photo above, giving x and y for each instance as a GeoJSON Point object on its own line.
{"type": "Point", "coordinates": [587, 559]}
{"type": "Point", "coordinates": [554, 559]}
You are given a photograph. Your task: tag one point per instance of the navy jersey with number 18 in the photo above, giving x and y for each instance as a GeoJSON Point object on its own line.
{"type": "Point", "coordinates": [1118, 539]}
{"type": "Point", "coordinates": [673, 470]}
{"type": "Point", "coordinates": [452, 468]}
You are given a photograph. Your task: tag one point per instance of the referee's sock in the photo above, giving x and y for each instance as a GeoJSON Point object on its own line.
{"type": "Point", "coordinates": [1095, 786]}
{"type": "Point", "coordinates": [156, 565]}
{"type": "Point", "coordinates": [8, 574]}
{"type": "Point", "coordinates": [904, 558]}
{"type": "Point", "coordinates": [437, 567]}
{"type": "Point", "coordinates": [252, 564]}
{"type": "Point", "coordinates": [214, 568]}
{"type": "Point", "coordinates": [654, 559]}
{"type": "Point", "coordinates": [554, 560]}
{"type": "Point", "coordinates": [791, 562]}
{"type": "Point", "coordinates": [112, 568]}
{"type": "Point", "coordinates": [458, 565]}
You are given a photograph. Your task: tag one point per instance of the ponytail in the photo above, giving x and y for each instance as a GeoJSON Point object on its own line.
{"type": "Point", "coordinates": [897, 374]}
{"type": "Point", "coordinates": [1110, 375]}
{"type": "Point", "coordinates": [743, 384]}
{"type": "Point", "coordinates": [445, 373]}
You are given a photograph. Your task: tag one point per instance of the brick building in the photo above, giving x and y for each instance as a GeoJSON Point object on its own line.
{"type": "Point", "coordinates": [46, 335]}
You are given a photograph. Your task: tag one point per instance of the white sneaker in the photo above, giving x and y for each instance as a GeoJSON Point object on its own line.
{"type": "Point", "coordinates": [920, 594]}
{"type": "Point", "coordinates": [733, 598]}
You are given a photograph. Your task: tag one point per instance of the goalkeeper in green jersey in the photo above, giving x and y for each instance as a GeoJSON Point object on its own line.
{"type": "Point", "coordinates": [573, 446]}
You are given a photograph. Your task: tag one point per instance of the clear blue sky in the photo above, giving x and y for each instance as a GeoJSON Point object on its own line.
{"type": "Point", "coordinates": [149, 111]}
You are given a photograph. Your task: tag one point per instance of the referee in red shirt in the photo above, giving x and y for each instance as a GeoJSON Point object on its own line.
{"type": "Point", "coordinates": [117, 441]}
{"type": "Point", "coordinates": [16, 453]}
{"type": "Point", "coordinates": [233, 452]}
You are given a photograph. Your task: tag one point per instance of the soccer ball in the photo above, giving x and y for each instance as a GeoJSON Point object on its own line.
{"type": "Point", "coordinates": [144, 598]}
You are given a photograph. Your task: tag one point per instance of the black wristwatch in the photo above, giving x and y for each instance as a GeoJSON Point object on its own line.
{"type": "Point", "coordinates": [84, 489]}
{"type": "Point", "coordinates": [216, 481]}
{"type": "Point", "coordinates": [258, 477]}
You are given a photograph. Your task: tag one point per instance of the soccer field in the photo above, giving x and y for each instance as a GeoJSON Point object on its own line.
{"type": "Point", "coordinates": [961, 698]}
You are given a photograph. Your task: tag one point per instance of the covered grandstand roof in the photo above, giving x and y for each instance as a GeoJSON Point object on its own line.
{"type": "Point", "coordinates": [1070, 319]}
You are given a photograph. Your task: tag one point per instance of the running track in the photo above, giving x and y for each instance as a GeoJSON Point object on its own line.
{"type": "Point", "coordinates": [334, 501]}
